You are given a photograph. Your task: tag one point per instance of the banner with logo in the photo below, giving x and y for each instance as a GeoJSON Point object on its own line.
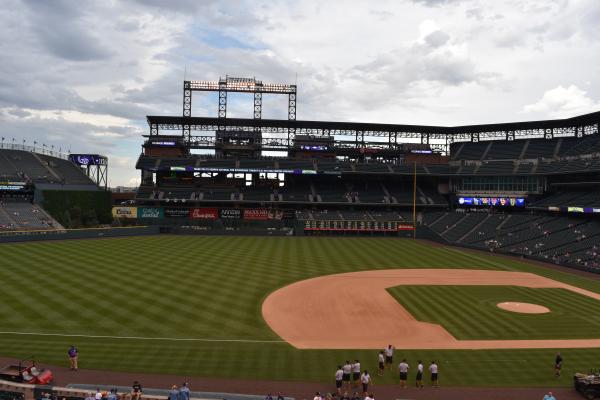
{"type": "Point", "coordinates": [262, 214]}
{"type": "Point", "coordinates": [176, 212]}
{"type": "Point", "coordinates": [230, 213]}
{"type": "Point", "coordinates": [124, 212]}
{"type": "Point", "coordinates": [203, 213]}
{"type": "Point", "coordinates": [150, 212]}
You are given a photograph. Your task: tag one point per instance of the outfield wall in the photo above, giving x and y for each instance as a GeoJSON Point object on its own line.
{"type": "Point", "coordinates": [89, 233]}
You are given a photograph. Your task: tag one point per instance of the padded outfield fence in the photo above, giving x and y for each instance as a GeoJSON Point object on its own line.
{"type": "Point", "coordinates": [88, 233]}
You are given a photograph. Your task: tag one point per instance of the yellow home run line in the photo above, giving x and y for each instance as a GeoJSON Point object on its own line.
{"type": "Point", "coordinates": [142, 338]}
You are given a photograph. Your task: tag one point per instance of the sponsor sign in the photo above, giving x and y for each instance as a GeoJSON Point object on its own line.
{"type": "Point", "coordinates": [230, 213]}
{"type": "Point", "coordinates": [176, 212]}
{"type": "Point", "coordinates": [492, 201]}
{"type": "Point", "coordinates": [262, 214]}
{"type": "Point", "coordinates": [256, 214]}
{"type": "Point", "coordinates": [203, 213]}
{"type": "Point", "coordinates": [150, 212]}
{"type": "Point", "coordinates": [124, 212]}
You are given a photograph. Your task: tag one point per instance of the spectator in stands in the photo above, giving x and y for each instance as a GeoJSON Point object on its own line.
{"type": "Point", "coordinates": [113, 394]}
{"type": "Point", "coordinates": [98, 395]}
{"type": "Point", "coordinates": [90, 396]}
{"type": "Point", "coordinates": [136, 391]}
{"type": "Point", "coordinates": [184, 391]}
{"type": "Point", "coordinates": [318, 396]}
{"type": "Point", "coordinates": [73, 355]}
{"type": "Point", "coordinates": [549, 396]}
{"type": "Point", "coordinates": [174, 393]}
{"type": "Point", "coordinates": [280, 396]}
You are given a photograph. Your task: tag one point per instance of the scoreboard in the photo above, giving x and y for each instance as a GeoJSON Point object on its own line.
{"type": "Point", "coordinates": [357, 226]}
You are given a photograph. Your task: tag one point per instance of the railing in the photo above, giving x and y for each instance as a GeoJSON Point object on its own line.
{"type": "Point", "coordinates": [43, 149]}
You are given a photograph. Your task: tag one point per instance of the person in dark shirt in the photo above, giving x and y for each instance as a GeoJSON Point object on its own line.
{"type": "Point", "coordinates": [557, 364]}
{"type": "Point", "coordinates": [136, 391]}
{"type": "Point", "coordinates": [280, 396]}
{"type": "Point", "coordinates": [73, 357]}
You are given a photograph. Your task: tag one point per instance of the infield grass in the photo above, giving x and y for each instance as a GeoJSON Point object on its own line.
{"type": "Point", "coordinates": [470, 312]}
{"type": "Point", "coordinates": [213, 288]}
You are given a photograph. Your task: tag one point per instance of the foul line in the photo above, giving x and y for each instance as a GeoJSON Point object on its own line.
{"type": "Point", "coordinates": [143, 338]}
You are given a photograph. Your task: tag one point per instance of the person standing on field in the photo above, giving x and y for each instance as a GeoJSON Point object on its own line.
{"type": "Point", "coordinates": [557, 365]}
{"type": "Point", "coordinates": [403, 368]}
{"type": "Point", "coordinates": [381, 363]}
{"type": "Point", "coordinates": [73, 357]}
{"type": "Point", "coordinates": [365, 379]}
{"type": "Point", "coordinates": [339, 375]}
{"type": "Point", "coordinates": [420, 375]}
{"type": "Point", "coordinates": [347, 370]}
{"type": "Point", "coordinates": [389, 356]}
{"type": "Point", "coordinates": [433, 369]}
{"type": "Point", "coordinates": [355, 372]}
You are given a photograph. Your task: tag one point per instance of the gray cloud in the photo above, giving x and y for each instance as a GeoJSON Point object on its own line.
{"type": "Point", "coordinates": [64, 30]}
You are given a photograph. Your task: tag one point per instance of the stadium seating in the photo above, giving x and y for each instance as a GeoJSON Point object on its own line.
{"type": "Point", "coordinates": [502, 150]}
{"type": "Point", "coordinates": [69, 173]}
{"type": "Point", "coordinates": [22, 215]}
{"type": "Point", "coordinates": [561, 239]}
{"type": "Point", "coordinates": [540, 148]}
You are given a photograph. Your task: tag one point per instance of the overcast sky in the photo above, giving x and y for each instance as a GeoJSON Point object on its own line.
{"type": "Point", "coordinates": [83, 75]}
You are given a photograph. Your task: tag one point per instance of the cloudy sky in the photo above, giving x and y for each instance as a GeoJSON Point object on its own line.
{"type": "Point", "coordinates": [84, 77]}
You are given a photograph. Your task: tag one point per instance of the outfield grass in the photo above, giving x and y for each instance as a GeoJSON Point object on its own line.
{"type": "Point", "coordinates": [212, 288]}
{"type": "Point", "coordinates": [470, 312]}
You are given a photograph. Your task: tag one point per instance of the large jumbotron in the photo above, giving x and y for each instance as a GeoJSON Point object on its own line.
{"type": "Point", "coordinates": [257, 255]}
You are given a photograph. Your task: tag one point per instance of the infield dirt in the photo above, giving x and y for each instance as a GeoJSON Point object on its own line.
{"type": "Point", "coordinates": [354, 311]}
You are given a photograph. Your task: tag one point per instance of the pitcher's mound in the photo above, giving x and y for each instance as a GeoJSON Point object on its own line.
{"type": "Point", "coordinates": [525, 308]}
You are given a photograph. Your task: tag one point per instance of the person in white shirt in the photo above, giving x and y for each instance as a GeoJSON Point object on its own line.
{"type": "Point", "coordinates": [347, 370]}
{"type": "Point", "coordinates": [355, 372]}
{"type": "Point", "coordinates": [365, 379]}
{"type": "Point", "coordinates": [420, 375]}
{"type": "Point", "coordinates": [317, 396]}
{"type": "Point", "coordinates": [389, 356]}
{"type": "Point", "coordinates": [339, 375]}
{"type": "Point", "coordinates": [433, 368]}
{"type": "Point", "coordinates": [403, 368]}
{"type": "Point", "coordinates": [381, 361]}
{"type": "Point", "coordinates": [370, 397]}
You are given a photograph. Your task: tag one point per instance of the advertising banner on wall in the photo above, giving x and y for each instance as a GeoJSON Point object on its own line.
{"type": "Point", "coordinates": [203, 213]}
{"type": "Point", "coordinates": [124, 212]}
{"type": "Point", "coordinates": [262, 214]}
{"type": "Point", "coordinates": [176, 212]}
{"type": "Point", "coordinates": [256, 214]}
{"type": "Point", "coordinates": [150, 212]}
{"type": "Point", "coordinates": [230, 213]}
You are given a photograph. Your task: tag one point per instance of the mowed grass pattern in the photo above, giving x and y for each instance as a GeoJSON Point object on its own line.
{"type": "Point", "coordinates": [213, 288]}
{"type": "Point", "coordinates": [470, 312]}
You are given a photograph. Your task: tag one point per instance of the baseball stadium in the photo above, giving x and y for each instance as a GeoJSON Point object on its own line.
{"type": "Point", "coordinates": [258, 255]}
